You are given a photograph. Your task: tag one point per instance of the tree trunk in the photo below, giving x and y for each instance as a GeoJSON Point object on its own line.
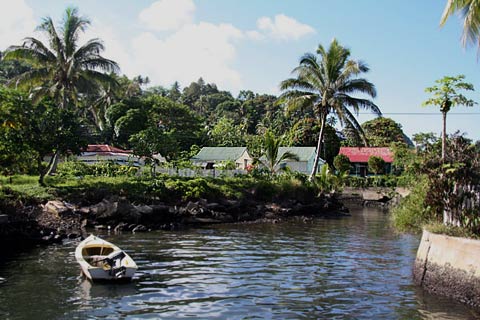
{"type": "Point", "coordinates": [319, 147]}
{"type": "Point", "coordinates": [52, 166]}
{"type": "Point", "coordinates": [42, 171]}
{"type": "Point", "coordinates": [444, 134]}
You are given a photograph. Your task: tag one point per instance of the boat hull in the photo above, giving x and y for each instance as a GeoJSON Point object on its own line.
{"type": "Point", "coordinates": [102, 260]}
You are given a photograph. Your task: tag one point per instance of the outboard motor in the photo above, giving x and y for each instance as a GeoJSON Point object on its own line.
{"type": "Point", "coordinates": [114, 261]}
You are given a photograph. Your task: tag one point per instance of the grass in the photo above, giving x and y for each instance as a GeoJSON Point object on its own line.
{"type": "Point", "coordinates": [144, 189]}
{"type": "Point", "coordinates": [440, 228]}
{"type": "Point", "coordinates": [24, 188]}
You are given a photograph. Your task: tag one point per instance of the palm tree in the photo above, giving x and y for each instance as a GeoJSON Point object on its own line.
{"type": "Point", "coordinates": [62, 69]}
{"type": "Point", "coordinates": [270, 153]}
{"type": "Point", "coordinates": [325, 83]}
{"type": "Point", "coordinates": [470, 13]}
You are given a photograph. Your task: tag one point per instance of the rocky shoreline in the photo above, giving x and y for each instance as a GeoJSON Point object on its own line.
{"type": "Point", "coordinates": [60, 219]}
{"type": "Point", "coordinates": [57, 220]}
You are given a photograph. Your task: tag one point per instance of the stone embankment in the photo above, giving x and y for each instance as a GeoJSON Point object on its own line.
{"type": "Point", "coordinates": [373, 197]}
{"type": "Point", "coordinates": [57, 219]}
{"type": "Point", "coordinates": [449, 266]}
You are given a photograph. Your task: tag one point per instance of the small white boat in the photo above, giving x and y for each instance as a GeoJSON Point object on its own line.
{"type": "Point", "coordinates": [102, 260]}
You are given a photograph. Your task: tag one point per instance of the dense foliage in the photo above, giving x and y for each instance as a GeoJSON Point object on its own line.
{"type": "Point", "coordinates": [449, 187]}
{"type": "Point", "coordinates": [381, 132]}
{"type": "Point", "coordinates": [376, 165]}
{"type": "Point", "coordinates": [342, 163]}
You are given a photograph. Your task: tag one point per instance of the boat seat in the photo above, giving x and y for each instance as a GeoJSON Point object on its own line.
{"type": "Point", "coordinates": [95, 260]}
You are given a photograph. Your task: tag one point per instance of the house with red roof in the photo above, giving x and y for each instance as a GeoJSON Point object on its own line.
{"type": "Point", "coordinates": [359, 158]}
{"type": "Point", "coordinates": [95, 153]}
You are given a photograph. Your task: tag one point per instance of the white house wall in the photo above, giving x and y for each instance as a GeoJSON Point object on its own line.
{"type": "Point", "coordinates": [240, 162]}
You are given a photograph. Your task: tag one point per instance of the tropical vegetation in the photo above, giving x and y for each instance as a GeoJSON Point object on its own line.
{"type": "Point", "coordinates": [469, 11]}
{"type": "Point", "coordinates": [56, 97]}
{"type": "Point", "coordinates": [324, 85]}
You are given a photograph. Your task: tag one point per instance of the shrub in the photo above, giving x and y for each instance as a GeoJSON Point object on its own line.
{"type": "Point", "coordinates": [376, 165]}
{"type": "Point", "coordinates": [412, 214]}
{"type": "Point", "coordinates": [111, 169]}
{"type": "Point", "coordinates": [342, 163]}
{"type": "Point", "coordinates": [74, 169]}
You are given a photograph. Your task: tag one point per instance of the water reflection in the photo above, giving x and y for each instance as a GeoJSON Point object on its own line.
{"type": "Point", "coordinates": [354, 267]}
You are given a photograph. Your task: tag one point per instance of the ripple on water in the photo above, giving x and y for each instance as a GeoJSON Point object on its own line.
{"type": "Point", "coordinates": [354, 267]}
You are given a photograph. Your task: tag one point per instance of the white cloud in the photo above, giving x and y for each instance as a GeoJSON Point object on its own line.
{"type": "Point", "coordinates": [201, 50]}
{"type": "Point", "coordinates": [283, 27]}
{"type": "Point", "coordinates": [183, 51]}
{"type": "Point", "coordinates": [16, 22]}
{"type": "Point", "coordinates": [168, 14]}
{"type": "Point", "coordinates": [255, 35]}
{"type": "Point", "coordinates": [114, 45]}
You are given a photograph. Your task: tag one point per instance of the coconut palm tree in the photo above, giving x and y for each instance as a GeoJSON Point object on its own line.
{"type": "Point", "coordinates": [325, 83]}
{"type": "Point", "coordinates": [62, 69]}
{"type": "Point", "coordinates": [270, 157]}
{"type": "Point", "coordinates": [469, 11]}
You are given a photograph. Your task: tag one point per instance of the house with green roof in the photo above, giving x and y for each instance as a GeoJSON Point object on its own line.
{"type": "Point", "coordinates": [209, 157]}
{"type": "Point", "coordinates": [305, 162]}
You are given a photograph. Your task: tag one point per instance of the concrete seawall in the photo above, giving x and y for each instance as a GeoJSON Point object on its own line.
{"type": "Point", "coordinates": [449, 266]}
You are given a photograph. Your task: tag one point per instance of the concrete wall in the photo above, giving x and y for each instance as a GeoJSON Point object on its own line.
{"type": "Point", "coordinates": [449, 266]}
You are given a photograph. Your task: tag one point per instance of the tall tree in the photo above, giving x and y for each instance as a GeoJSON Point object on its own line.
{"type": "Point", "coordinates": [469, 11]}
{"type": "Point", "coordinates": [381, 132]}
{"type": "Point", "coordinates": [29, 133]}
{"type": "Point", "coordinates": [445, 94]}
{"type": "Point", "coordinates": [62, 69]}
{"type": "Point", "coordinates": [325, 83]}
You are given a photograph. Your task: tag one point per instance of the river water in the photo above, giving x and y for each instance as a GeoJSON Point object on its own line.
{"type": "Point", "coordinates": [348, 268]}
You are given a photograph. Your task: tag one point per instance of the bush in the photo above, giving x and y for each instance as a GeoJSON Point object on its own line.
{"type": "Point", "coordinates": [74, 169]}
{"type": "Point", "coordinates": [342, 163]}
{"type": "Point", "coordinates": [412, 214]}
{"type": "Point", "coordinates": [376, 165]}
{"type": "Point", "coordinates": [111, 169]}
{"type": "Point", "coordinates": [440, 228]}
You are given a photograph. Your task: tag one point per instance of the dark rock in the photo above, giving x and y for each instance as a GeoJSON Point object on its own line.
{"type": "Point", "coordinates": [73, 236]}
{"type": "Point", "coordinates": [103, 209]}
{"type": "Point", "coordinates": [270, 215]}
{"type": "Point", "coordinates": [215, 207]}
{"type": "Point", "coordinates": [57, 208]}
{"type": "Point", "coordinates": [144, 210]}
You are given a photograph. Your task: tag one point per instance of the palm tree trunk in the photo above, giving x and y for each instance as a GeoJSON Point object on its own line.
{"type": "Point", "coordinates": [319, 147]}
{"type": "Point", "coordinates": [444, 134]}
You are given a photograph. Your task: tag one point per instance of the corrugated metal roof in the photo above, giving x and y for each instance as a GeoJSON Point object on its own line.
{"type": "Point", "coordinates": [101, 148]}
{"type": "Point", "coordinates": [303, 153]}
{"type": "Point", "coordinates": [362, 154]}
{"type": "Point", "coordinates": [219, 153]}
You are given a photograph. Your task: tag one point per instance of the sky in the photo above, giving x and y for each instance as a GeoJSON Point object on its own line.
{"type": "Point", "coordinates": [255, 44]}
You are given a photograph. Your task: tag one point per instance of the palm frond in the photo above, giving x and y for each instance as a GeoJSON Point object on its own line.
{"type": "Point", "coordinates": [48, 27]}
{"type": "Point", "coordinates": [73, 24]}
{"type": "Point", "coordinates": [358, 85]}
